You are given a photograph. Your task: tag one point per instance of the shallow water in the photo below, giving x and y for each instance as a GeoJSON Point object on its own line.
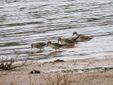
{"type": "Point", "coordinates": [23, 22]}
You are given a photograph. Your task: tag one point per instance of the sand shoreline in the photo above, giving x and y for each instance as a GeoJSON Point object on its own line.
{"type": "Point", "coordinates": [22, 76]}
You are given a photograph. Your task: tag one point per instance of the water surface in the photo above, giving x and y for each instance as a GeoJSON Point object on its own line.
{"type": "Point", "coordinates": [23, 22]}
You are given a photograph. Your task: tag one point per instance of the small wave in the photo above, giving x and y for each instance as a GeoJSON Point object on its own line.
{"type": "Point", "coordinates": [92, 19]}
{"type": "Point", "coordinates": [10, 44]}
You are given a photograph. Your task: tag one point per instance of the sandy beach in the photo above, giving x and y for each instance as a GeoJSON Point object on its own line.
{"type": "Point", "coordinates": [66, 72]}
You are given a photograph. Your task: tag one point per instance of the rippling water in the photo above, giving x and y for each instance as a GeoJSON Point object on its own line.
{"type": "Point", "coordinates": [23, 22]}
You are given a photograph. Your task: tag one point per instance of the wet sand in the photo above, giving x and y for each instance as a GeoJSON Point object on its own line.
{"type": "Point", "coordinates": [63, 70]}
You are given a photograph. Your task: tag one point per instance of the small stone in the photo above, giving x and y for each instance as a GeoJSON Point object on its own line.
{"type": "Point", "coordinates": [35, 72]}
{"type": "Point", "coordinates": [59, 60]}
{"type": "Point", "coordinates": [31, 72]}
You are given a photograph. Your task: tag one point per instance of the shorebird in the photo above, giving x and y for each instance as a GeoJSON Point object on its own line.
{"type": "Point", "coordinates": [55, 46]}
{"type": "Point", "coordinates": [40, 45]}
{"type": "Point", "coordinates": [67, 41]}
{"type": "Point", "coordinates": [80, 37]}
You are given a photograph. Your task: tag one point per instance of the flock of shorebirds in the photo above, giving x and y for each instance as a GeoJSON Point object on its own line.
{"type": "Point", "coordinates": [64, 42]}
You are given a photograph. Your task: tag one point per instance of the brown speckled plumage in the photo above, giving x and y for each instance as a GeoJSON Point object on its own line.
{"type": "Point", "coordinates": [80, 37]}
{"type": "Point", "coordinates": [40, 45]}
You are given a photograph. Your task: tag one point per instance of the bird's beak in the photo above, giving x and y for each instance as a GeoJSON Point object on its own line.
{"type": "Point", "coordinates": [58, 41]}
{"type": "Point", "coordinates": [72, 35]}
{"type": "Point", "coordinates": [47, 44]}
{"type": "Point", "coordinates": [31, 47]}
